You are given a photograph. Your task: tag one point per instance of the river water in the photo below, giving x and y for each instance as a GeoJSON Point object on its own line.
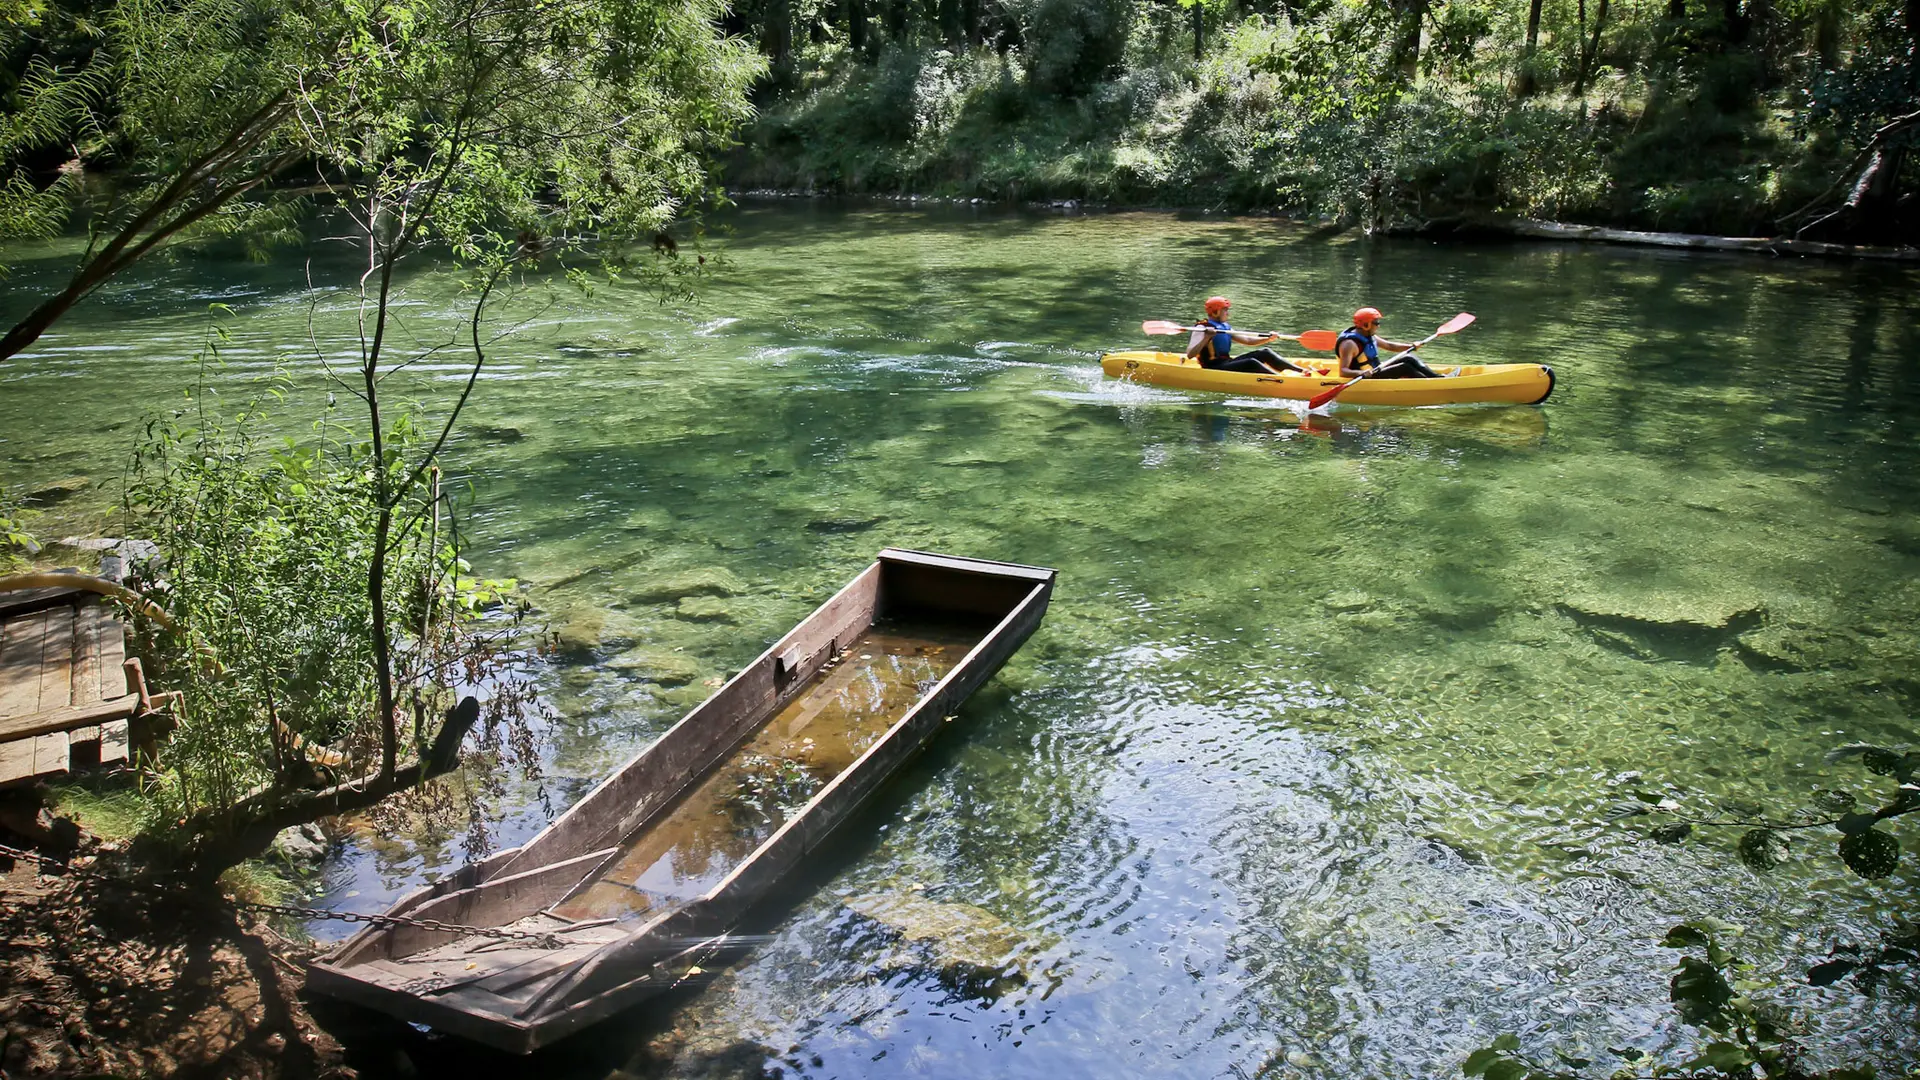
{"type": "Point", "coordinates": [1306, 773]}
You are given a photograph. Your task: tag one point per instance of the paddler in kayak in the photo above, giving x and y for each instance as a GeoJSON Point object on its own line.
{"type": "Point", "coordinates": [1359, 351]}
{"type": "Point", "coordinates": [1213, 346]}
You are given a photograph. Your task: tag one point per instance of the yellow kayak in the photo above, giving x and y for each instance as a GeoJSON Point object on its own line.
{"type": "Point", "coordinates": [1465, 384]}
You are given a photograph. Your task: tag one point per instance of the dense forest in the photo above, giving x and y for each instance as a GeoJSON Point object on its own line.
{"type": "Point", "coordinates": [1756, 117]}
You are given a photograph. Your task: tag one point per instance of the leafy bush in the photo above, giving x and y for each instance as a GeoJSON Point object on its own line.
{"type": "Point", "coordinates": [265, 552]}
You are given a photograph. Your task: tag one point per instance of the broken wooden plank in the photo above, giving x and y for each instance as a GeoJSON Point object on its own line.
{"type": "Point", "coordinates": [73, 716]}
{"type": "Point", "coordinates": [56, 660]}
{"type": "Point", "coordinates": [20, 641]}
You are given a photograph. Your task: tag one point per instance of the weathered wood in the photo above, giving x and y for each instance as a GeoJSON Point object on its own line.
{"type": "Point", "coordinates": [16, 762]}
{"type": "Point", "coordinates": [56, 660]}
{"type": "Point", "coordinates": [90, 627]}
{"type": "Point", "coordinates": [653, 777]}
{"type": "Point", "coordinates": [1766, 245]}
{"type": "Point", "coordinates": [516, 999]}
{"type": "Point", "coordinates": [492, 903]}
{"type": "Point", "coordinates": [114, 742]}
{"type": "Point", "coordinates": [51, 754]}
{"type": "Point", "coordinates": [18, 602]}
{"type": "Point", "coordinates": [20, 642]}
{"type": "Point", "coordinates": [100, 712]}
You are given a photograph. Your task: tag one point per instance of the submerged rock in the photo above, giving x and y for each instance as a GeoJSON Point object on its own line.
{"type": "Point", "coordinates": [58, 491]}
{"type": "Point", "coordinates": [1795, 647]}
{"type": "Point", "coordinates": [843, 524]}
{"type": "Point", "coordinates": [580, 632]}
{"type": "Point", "coordinates": [1665, 626]}
{"type": "Point", "coordinates": [710, 581]}
{"type": "Point", "coordinates": [705, 609]}
{"type": "Point", "coordinates": [656, 665]}
{"type": "Point", "coordinates": [970, 947]}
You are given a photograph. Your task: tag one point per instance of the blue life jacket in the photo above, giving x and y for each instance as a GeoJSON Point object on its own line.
{"type": "Point", "coordinates": [1367, 348]}
{"type": "Point", "coordinates": [1219, 344]}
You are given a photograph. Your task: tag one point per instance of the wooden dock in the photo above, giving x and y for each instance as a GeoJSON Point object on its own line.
{"type": "Point", "coordinates": [68, 691]}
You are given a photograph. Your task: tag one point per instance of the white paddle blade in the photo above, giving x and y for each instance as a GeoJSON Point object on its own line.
{"type": "Point", "coordinates": [1162, 326]}
{"type": "Point", "coordinates": [1455, 325]}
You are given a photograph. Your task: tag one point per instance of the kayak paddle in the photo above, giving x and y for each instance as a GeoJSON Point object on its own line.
{"type": "Point", "coordinates": [1322, 340]}
{"type": "Point", "coordinates": [1453, 326]}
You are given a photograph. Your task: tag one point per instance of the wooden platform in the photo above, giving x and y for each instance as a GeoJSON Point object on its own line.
{"type": "Point", "coordinates": [67, 689]}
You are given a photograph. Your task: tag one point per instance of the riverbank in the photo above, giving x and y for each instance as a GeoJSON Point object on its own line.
{"type": "Point", "coordinates": [100, 979]}
{"type": "Point", "coordinates": [1480, 229]}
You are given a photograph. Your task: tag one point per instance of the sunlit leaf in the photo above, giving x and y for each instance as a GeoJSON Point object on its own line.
{"type": "Point", "coordinates": [1832, 801]}
{"type": "Point", "coordinates": [1673, 832]}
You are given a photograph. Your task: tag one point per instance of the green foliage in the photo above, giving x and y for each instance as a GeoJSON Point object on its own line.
{"type": "Point", "coordinates": [264, 551]}
{"type": "Point", "coordinates": [15, 542]}
{"type": "Point", "coordinates": [1634, 118]}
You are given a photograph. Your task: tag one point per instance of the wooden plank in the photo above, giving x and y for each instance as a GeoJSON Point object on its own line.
{"type": "Point", "coordinates": [652, 778]}
{"type": "Point", "coordinates": [88, 623]}
{"type": "Point", "coordinates": [494, 903]}
{"type": "Point", "coordinates": [18, 602]}
{"type": "Point", "coordinates": [16, 761]}
{"type": "Point", "coordinates": [50, 753]}
{"type": "Point", "coordinates": [56, 661]}
{"type": "Point", "coordinates": [20, 641]}
{"type": "Point", "coordinates": [113, 742]}
{"type": "Point", "coordinates": [73, 716]}
{"type": "Point", "coordinates": [113, 658]}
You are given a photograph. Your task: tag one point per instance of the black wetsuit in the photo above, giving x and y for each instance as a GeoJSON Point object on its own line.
{"type": "Point", "coordinates": [1214, 356]}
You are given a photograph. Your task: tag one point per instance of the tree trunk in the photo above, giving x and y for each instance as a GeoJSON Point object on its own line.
{"type": "Point", "coordinates": [223, 838]}
{"type": "Point", "coordinates": [1736, 22]}
{"type": "Point", "coordinates": [1592, 50]}
{"type": "Point", "coordinates": [1528, 82]}
{"type": "Point", "coordinates": [1199, 31]}
{"type": "Point", "coordinates": [1405, 59]}
{"type": "Point", "coordinates": [857, 26]}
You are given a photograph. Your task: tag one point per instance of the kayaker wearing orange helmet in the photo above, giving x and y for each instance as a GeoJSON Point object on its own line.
{"type": "Point", "coordinates": [1213, 346]}
{"type": "Point", "coordinates": [1359, 351]}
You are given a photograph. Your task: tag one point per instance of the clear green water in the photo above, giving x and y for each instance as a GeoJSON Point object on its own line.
{"type": "Point", "coordinates": [1309, 756]}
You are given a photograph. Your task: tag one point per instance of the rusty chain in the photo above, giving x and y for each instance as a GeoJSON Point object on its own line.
{"type": "Point", "coordinates": [539, 939]}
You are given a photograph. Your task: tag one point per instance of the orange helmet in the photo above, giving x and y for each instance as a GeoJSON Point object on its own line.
{"type": "Point", "coordinates": [1217, 304]}
{"type": "Point", "coordinates": [1365, 314]}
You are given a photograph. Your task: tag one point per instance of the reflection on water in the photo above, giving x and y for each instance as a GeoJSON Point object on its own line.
{"type": "Point", "coordinates": [1306, 771]}
{"type": "Point", "coordinates": [745, 799]}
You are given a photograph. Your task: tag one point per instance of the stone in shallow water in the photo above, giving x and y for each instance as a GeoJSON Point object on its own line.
{"type": "Point", "coordinates": [657, 665]}
{"type": "Point", "coordinates": [1796, 647]}
{"type": "Point", "coordinates": [705, 609]}
{"type": "Point", "coordinates": [843, 524]}
{"type": "Point", "coordinates": [1349, 600]}
{"type": "Point", "coordinates": [59, 491]}
{"type": "Point", "coordinates": [968, 944]}
{"type": "Point", "coordinates": [583, 630]}
{"type": "Point", "coordinates": [1705, 612]}
{"type": "Point", "coordinates": [711, 581]}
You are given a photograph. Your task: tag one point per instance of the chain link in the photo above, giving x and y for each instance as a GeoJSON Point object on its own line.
{"type": "Point", "coordinates": [537, 938]}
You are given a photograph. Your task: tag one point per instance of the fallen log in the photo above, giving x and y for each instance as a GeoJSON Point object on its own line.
{"type": "Point", "coordinates": [1767, 245]}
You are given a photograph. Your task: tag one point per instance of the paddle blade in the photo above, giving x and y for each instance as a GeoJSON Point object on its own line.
{"type": "Point", "coordinates": [1325, 396]}
{"type": "Point", "coordinates": [1455, 325]}
{"type": "Point", "coordinates": [1319, 340]}
{"type": "Point", "coordinates": [1162, 326]}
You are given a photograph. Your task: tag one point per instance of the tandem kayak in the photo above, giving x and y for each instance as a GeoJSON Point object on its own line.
{"type": "Point", "coordinates": [1465, 384]}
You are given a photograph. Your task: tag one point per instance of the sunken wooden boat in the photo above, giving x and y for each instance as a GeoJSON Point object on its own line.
{"type": "Point", "coordinates": [625, 893]}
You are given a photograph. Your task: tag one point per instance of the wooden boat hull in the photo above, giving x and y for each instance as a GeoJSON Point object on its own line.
{"type": "Point", "coordinates": [1467, 384]}
{"type": "Point", "coordinates": [520, 995]}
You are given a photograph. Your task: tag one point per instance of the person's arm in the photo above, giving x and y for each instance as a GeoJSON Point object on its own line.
{"type": "Point", "coordinates": [1248, 337]}
{"type": "Point", "coordinates": [1393, 346]}
{"type": "Point", "coordinates": [1349, 354]}
{"type": "Point", "coordinates": [1194, 341]}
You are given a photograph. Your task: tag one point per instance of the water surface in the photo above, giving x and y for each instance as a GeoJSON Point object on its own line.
{"type": "Point", "coordinates": [1305, 773]}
